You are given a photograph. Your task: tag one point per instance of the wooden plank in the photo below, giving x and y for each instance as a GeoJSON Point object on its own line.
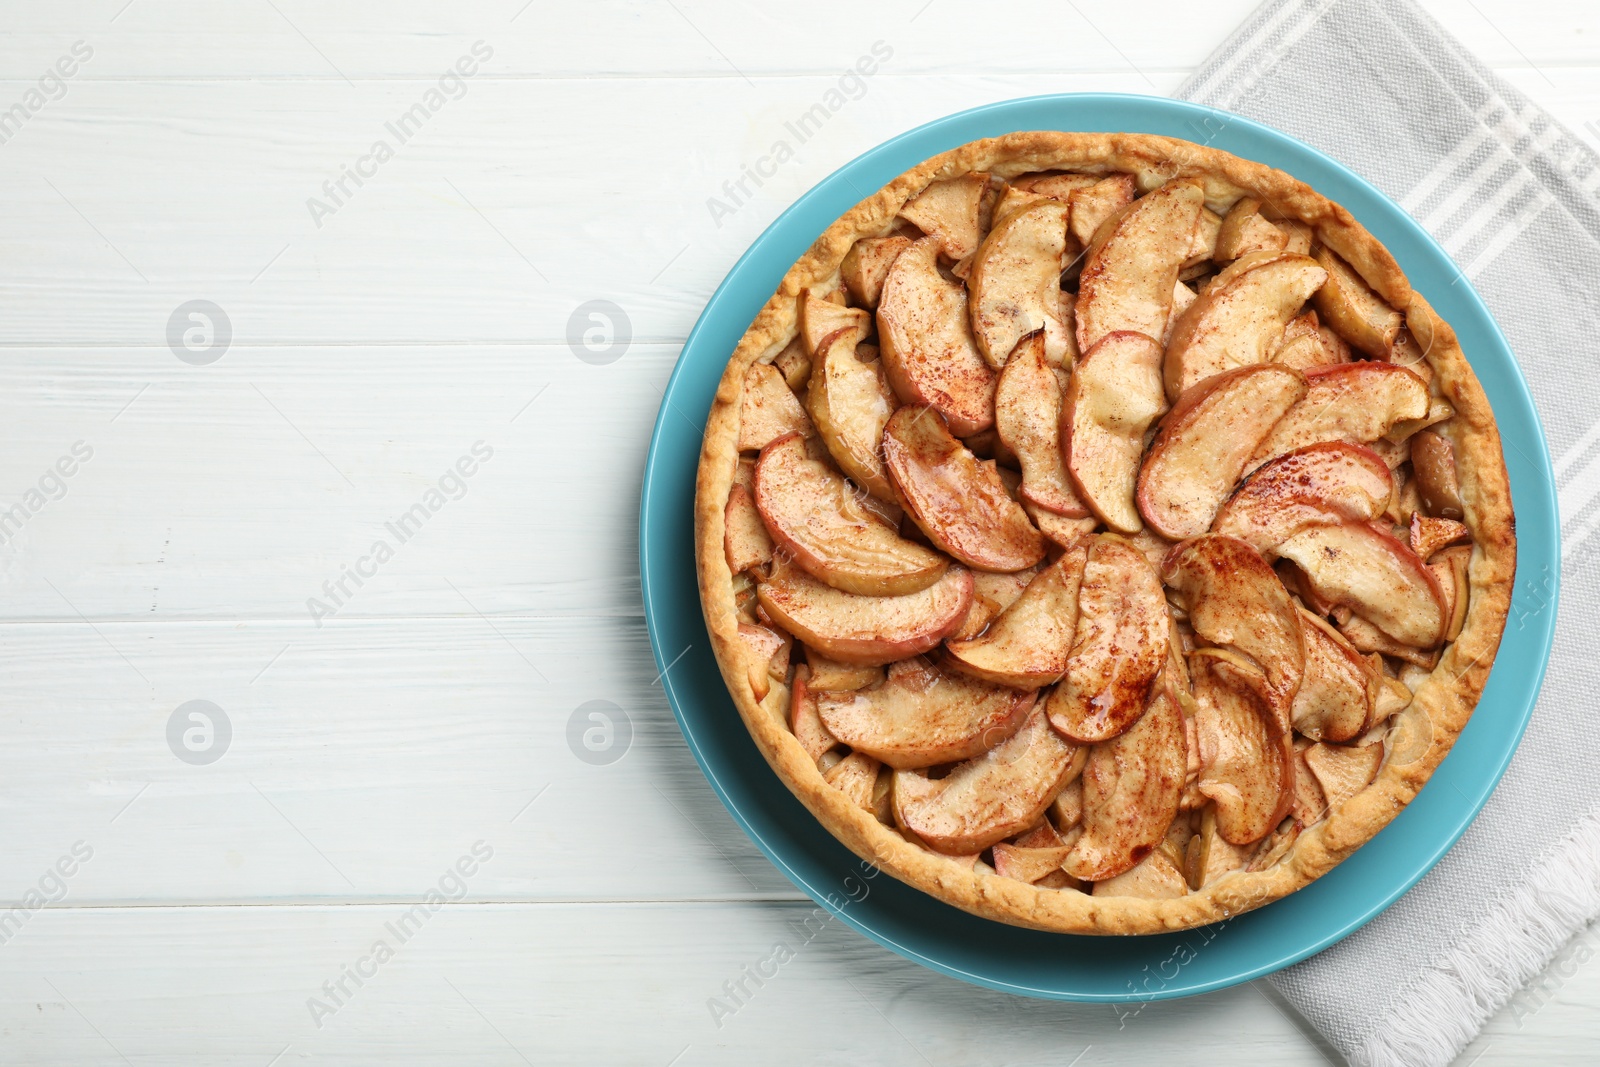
{"type": "Point", "coordinates": [192, 39]}
{"type": "Point", "coordinates": [361, 756]}
{"type": "Point", "coordinates": [498, 984]}
{"type": "Point", "coordinates": [237, 490]}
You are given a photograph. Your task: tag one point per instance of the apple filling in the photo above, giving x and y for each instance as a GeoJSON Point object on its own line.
{"type": "Point", "coordinates": [1093, 532]}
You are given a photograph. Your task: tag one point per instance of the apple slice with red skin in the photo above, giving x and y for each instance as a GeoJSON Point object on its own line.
{"type": "Point", "coordinates": [1131, 266]}
{"type": "Point", "coordinates": [1028, 645]}
{"type": "Point", "coordinates": [1355, 566]}
{"type": "Point", "coordinates": [960, 503]}
{"type": "Point", "coordinates": [1340, 687]}
{"type": "Point", "coordinates": [820, 319]}
{"type": "Point", "coordinates": [867, 264]}
{"type": "Point", "coordinates": [1246, 753]}
{"type": "Point", "coordinates": [1119, 645]}
{"type": "Point", "coordinates": [1131, 786]}
{"type": "Point", "coordinates": [1027, 416]}
{"type": "Point", "coordinates": [1356, 402]}
{"type": "Point", "coordinates": [986, 800]}
{"type": "Point", "coordinates": [866, 630]}
{"type": "Point", "coordinates": [1114, 396]}
{"type": "Point", "coordinates": [804, 722]}
{"type": "Point", "coordinates": [850, 401]}
{"type": "Point", "coordinates": [920, 716]}
{"type": "Point", "coordinates": [929, 354]}
{"type": "Point", "coordinates": [1015, 283]}
{"type": "Point", "coordinates": [1348, 304]}
{"type": "Point", "coordinates": [816, 516]}
{"type": "Point", "coordinates": [1200, 451]}
{"type": "Point", "coordinates": [1240, 318]}
{"type": "Point", "coordinates": [1235, 600]}
{"type": "Point", "coordinates": [1330, 482]}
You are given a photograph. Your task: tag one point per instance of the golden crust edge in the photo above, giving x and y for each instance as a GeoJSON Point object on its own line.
{"type": "Point", "coordinates": [1448, 697]}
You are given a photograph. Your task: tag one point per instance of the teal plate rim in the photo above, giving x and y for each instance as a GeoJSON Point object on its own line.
{"type": "Point", "coordinates": [988, 953]}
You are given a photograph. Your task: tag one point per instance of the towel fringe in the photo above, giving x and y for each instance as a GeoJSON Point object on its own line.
{"type": "Point", "coordinates": [1452, 1000]}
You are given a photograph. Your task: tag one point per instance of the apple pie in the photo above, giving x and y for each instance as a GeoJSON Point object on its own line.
{"type": "Point", "coordinates": [1098, 533]}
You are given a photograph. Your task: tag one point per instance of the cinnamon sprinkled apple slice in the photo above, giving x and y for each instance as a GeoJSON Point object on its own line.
{"type": "Point", "coordinates": [1015, 283]}
{"type": "Point", "coordinates": [1030, 643]}
{"type": "Point", "coordinates": [816, 516]}
{"type": "Point", "coordinates": [866, 630]}
{"type": "Point", "coordinates": [1356, 402]}
{"type": "Point", "coordinates": [1200, 451]}
{"type": "Point", "coordinates": [1119, 646]}
{"type": "Point", "coordinates": [960, 503]}
{"type": "Point", "coordinates": [1027, 412]}
{"type": "Point", "coordinates": [983, 801]}
{"type": "Point", "coordinates": [928, 350]}
{"type": "Point", "coordinates": [1131, 786]}
{"type": "Point", "coordinates": [1132, 265]}
{"type": "Point", "coordinates": [1374, 575]}
{"type": "Point", "coordinates": [1330, 482]}
{"type": "Point", "coordinates": [1246, 753]}
{"type": "Point", "coordinates": [1114, 396]}
{"type": "Point", "coordinates": [920, 716]}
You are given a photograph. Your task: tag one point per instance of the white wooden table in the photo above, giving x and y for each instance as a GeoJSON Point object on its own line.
{"type": "Point", "coordinates": [214, 887]}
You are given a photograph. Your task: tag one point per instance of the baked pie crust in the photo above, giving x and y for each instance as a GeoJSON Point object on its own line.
{"type": "Point", "coordinates": [1418, 698]}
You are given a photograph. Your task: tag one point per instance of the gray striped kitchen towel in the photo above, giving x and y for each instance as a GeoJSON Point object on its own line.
{"type": "Point", "coordinates": [1515, 199]}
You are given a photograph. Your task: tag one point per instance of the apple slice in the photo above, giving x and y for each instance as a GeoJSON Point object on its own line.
{"type": "Point", "coordinates": [1014, 199]}
{"type": "Point", "coordinates": [1340, 687]}
{"type": "Point", "coordinates": [855, 776]}
{"type": "Point", "coordinates": [1003, 588]}
{"type": "Point", "coordinates": [1131, 266]}
{"type": "Point", "coordinates": [768, 408]}
{"type": "Point", "coordinates": [1330, 482]}
{"type": "Point", "coordinates": [960, 503]}
{"type": "Point", "coordinates": [921, 716]}
{"type": "Point", "coordinates": [1451, 568]}
{"type": "Point", "coordinates": [929, 353]}
{"type": "Point", "coordinates": [1155, 877]}
{"type": "Point", "coordinates": [949, 210]}
{"type": "Point", "coordinates": [1028, 864]}
{"type": "Point", "coordinates": [1015, 283]}
{"type": "Point", "coordinates": [1059, 529]}
{"type": "Point", "coordinates": [1355, 402]}
{"type": "Point", "coordinates": [766, 658]}
{"type": "Point", "coordinates": [1428, 535]}
{"type": "Point", "coordinates": [1131, 786]}
{"type": "Point", "coordinates": [850, 402]}
{"type": "Point", "coordinates": [1027, 415]}
{"type": "Point", "coordinates": [1210, 857]}
{"type": "Point", "coordinates": [1245, 752]}
{"type": "Point", "coordinates": [1343, 770]}
{"type": "Point", "coordinates": [1093, 204]}
{"type": "Point", "coordinates": [1356, 313]}
{"type": "Point", "coordinates": [1275, 846]}
{"type": "Point", "coordinates": [1235, 600]}
{"type": "Point", "coordinates": [866, 630]}
{"type": "Point", "coordinates": [819, 319]}
{"type": "Point", "coordinates": [1433, 459]}
{"type": "Point", "coordinates": [816, 516]}
{"type": "Point", "coordinates": [829, 674]}
{"type": "Point", "coordinates": [1244, 232]}
{"type": "Point", "coordinates": [1057, 184]}
{"type": "Point", "coordinates": [1203, 246]}
{"type": "Point", "coordinates": [1119, 646]}
{"type": "Point", "coordinates": [983, 801]}
{"type": "Point", "coordinates": [744, 538]}
{"type": "Point", "coordinates": [1028, 645]}
{"type": "Point", "coordinates": [1113, 398]}
{"type": "Point", "coordinates": [866, 265]}
{"type": "Point", "coordinates": [1183, 299]}
{"type": "Point", "coordinates": [1358, 567]}
{"type": "Point", "coordinates": [804, 721]}
{"type": "Point", "coordinates": [1200, 451]}
{"type": "Point", "coordinates": [1240, 318]}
